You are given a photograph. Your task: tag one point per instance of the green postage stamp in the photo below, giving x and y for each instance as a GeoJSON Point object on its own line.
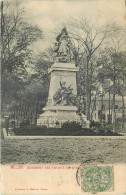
{"type": "Point", "coordinates": [97, 179]}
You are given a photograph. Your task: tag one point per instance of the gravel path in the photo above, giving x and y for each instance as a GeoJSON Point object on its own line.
{"type": "Point", "coordinates": [63, 150]}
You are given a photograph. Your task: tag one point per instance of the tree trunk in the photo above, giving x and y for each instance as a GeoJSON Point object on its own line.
{"type": "Point", "coordinates": [114, 114]}
{"type": "Point", "coordinates": [94, 106]}
{"type": "Point", "coordinates": [101, 108]}
{"type": "Point", "coordinates": [123, 112]}
{"type": "Point", "coordinates": [87, 93]}
{"type": "Point", "coordinates": [90, 85]}
{"type": "Point", "coordinates": [109, 119]}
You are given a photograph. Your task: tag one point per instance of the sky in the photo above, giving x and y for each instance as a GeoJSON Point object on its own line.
{"type": "Point", "coordinates": [51, 15]}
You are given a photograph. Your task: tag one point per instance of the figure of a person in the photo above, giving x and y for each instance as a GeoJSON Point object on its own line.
{"type": "Point", "coordinates": [56, 47]}
{"type": "Point", "coordinates": [63, 48]}
{"type": "Point", "coordinates": [63, 89]}
{"type": "Point", "coordinates": [65, 93]}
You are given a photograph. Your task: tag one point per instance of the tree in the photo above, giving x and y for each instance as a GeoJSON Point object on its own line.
{"type": "Point", "coordinates": [34, 95]}
{"type": "Point", "coordinates": [88, 38]}
{"type": "Point", "coordinates": [17, 37]}
{"type": "Point", "coordinates": [111, 61]}
{"type": "Point", "coordinates": [121, 83]}
{"type": "Point", "coordinates": [111, 68]}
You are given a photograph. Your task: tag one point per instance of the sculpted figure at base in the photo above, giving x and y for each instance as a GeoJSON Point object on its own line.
{"type": "Point", "coordinates": [64, 95]}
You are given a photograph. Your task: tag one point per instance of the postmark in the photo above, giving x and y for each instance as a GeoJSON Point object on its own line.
{"type": "Point", "coordinates": [95, 178]}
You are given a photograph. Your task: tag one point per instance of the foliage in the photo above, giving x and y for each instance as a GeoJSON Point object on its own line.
{"type": "Point", "coordinates": [23, 93]}
{"type": "Point", "coordinates": [104, 129]}
{"type": "Point", "coordinates": [111, 74]}
{"type": "Point", "coordinates": [43, 130]}
{"type": "Point", "coordinates": [25, 123]}
{"type": "Point", "coordinates": [28, 130]}
{"type": "Point", "coordinates": [71, 125]}
{"type": "Point", "coordinates": [111, 64]}
{"type": "Point", "coordinates": [88, 39]}
{"type": "Point", "coordinates": [94, 124]}
{"type": "Point", "coordinates": [17, 37]}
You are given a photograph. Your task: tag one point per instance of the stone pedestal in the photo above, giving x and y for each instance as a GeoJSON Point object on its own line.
{"type": "Point", "coordinates": [57, 113]}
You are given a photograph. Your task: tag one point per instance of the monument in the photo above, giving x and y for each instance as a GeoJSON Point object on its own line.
{"type": "Point", "coordinates": [63, 88]}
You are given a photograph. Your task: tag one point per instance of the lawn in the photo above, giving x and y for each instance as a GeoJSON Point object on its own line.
{"type": "Point", "coordinates": [63, 150]}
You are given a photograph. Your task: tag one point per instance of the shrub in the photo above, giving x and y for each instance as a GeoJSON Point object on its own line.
{"type": "Point", "coordinates": [71, 125]}
{"type": "Point", "coordinates": [108, 127]}
{"type": "Point", "coordinates": [100, 129]}
{"type": "Point", "coordinates": [94, 124]}
{"type": "Point", "coordinates": [95, 130]}
{"type": "Point", "coordinates": [25, 123]}
{"type": "Point", "coordinates": [41, 127]}
{"type": "Point", "coordinates": [29, 130]}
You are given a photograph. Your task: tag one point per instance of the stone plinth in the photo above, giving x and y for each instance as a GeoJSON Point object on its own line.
{"type": "Point", "coordinates": [59, 114]}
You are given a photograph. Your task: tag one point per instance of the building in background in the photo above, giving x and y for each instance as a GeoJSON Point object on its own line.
{"type": "Point", "coordinates": [102, 108]}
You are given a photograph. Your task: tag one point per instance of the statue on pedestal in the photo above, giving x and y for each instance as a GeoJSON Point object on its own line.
{"type": "Point", "coordinates": [63, 47]}
{"type": "Point", "coordinates": [62, 99]}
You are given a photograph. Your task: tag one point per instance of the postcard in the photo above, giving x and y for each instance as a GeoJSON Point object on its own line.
{"type": "Point", "coordinates": [63, 97]}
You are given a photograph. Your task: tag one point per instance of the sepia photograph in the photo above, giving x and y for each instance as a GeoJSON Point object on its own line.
{"type": "Point", "coordinates": [63, 92]}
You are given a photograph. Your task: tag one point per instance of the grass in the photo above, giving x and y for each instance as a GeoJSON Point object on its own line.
{"type": "Point", "coordinates": [63, 150]}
